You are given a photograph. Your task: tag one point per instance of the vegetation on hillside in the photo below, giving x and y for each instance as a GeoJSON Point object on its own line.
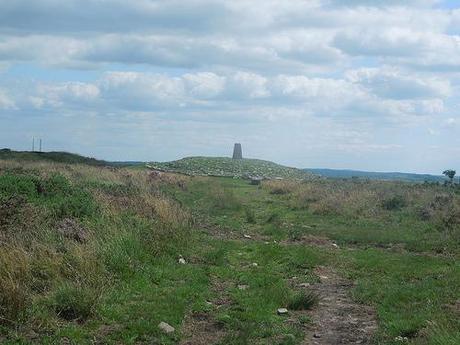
{"type": "Point", "coordinates": [59, 157]}
{"type": "Point", "coordinates": [94, 254]}
{"type": "Point", "coordinates": [386, 176]}
{"type": "Point", "coordinates": [228, 167]}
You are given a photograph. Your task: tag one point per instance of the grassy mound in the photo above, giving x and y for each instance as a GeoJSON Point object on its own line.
{"type": "Point", "coordinates": [227, 167]}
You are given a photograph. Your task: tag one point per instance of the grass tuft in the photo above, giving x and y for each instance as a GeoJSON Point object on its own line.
{"type": "Point", "coordinates": [303, 301]}
{"type": "Point", "coordinates": [73, 301]}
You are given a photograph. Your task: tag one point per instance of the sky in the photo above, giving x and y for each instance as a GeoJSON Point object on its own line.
{"type": "Point", "coordinates": [358, 84]}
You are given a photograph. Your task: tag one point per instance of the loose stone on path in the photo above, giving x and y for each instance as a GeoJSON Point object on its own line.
{"type": "Point", "coordinates": [166, 328]}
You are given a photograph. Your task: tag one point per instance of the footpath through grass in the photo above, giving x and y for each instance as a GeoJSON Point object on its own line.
{"type": "Point", "coordinates": [91, 255]}
{"type": "Point", "coordinates": [403, 263]}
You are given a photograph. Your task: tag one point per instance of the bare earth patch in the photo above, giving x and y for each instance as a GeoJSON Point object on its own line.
{"type": "Point", "coordinates": [312, 240]}
{"type": "Point", "coordinates": [201, 327]}
{"type": "Point", "coordinates": [337, 319]}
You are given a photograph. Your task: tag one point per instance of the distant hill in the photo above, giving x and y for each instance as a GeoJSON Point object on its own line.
{"type": "Point", "coordinates": [222, 166]}
{"type": "Point", "coordinates": [60, 157]}
{"type": "Point", "coordinates": [391, 176]}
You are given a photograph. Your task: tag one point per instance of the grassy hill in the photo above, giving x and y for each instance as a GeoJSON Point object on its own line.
{"type": "Point", "coordinates": [388, 176]}
{"type": "Point", "coordinates": [60, 157]}
{"type": "Point", "coordinates": [227, 167]}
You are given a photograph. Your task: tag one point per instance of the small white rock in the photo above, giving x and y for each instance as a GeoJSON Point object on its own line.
{"type": "Point", "coordinates": [335, 245]}
{"type": "Point", "coordinates": [282, 311]}
{"type": "Point", "coordinates": [255, 264]}
{"type": "Point", "coordinates": [247, 236]}
{"type": "Point", "coordinates": [304, 285]}
{"type": "Point", "coordinates": [165, 327]}
{"type": "Point", "coordinates": [182, 261]}
{"type": "Point", "coordinates": [243, 287]}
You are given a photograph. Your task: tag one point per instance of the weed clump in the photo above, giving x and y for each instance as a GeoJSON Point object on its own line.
{"type": "Point", "coordinates": [72, 301]}
{"type": "Point", "coordinates": [303, 301]}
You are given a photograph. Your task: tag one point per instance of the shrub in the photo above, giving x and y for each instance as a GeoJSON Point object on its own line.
{"type": "Point", "coordinates": [72, 301]}
{"type": "Point", "coordinates": [77, 203]}
{"type": "Point", "coordinates": [303, 301]}
{"type": "Point", "coordinates": [55, 185]}
{"type": "Point", "coordinates": [449, 218]}
{"type": "Point", "coordinates": [394, 203]}
{"type": "Point", "coordinates": [15, 185]}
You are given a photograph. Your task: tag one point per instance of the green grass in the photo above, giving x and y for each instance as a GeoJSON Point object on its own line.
{"type": "Point", "coordinates": [303, 301]}
{"type": "Point", "coordinates": [119, 284]}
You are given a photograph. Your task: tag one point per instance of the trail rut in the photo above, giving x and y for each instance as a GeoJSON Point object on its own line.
{"type": "Point", "coordinates": [338, 319]}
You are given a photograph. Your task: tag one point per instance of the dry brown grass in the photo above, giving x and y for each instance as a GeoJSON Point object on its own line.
{"type": "Point", "coordinates": [15, 274]}
{"type": "Point", "coordinates": [437, 204]}
{"type": "Point", "coordinates": [280, 186]}
{"type": "Point", "coordinates": [39, 262]}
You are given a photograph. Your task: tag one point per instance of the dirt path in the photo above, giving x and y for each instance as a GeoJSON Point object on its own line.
{"type": "Point", "coordinates": [337, 319]}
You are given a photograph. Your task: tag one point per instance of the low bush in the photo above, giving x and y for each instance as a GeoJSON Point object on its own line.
{"type": "Point", "coordinates": [394, 203]}
{"type": "Point", "coordinates": [73, 301]}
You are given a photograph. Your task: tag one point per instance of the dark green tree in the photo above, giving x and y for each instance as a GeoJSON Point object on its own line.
{"type": "Point", "coordinates": [450, 174]}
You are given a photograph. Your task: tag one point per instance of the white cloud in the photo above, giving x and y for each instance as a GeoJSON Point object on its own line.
{"type": "Point", "coordinates": [136, 90]}
{"type": "Point", "coordinates": [5, 101]}
{"type": "Point", "coordinates": [319, 76]}
{"type": "Point", "coordinates": [204, 84]}
{"type": "Point", "coordinates": [395, 84]}
{"type": "Point", "coordinates": [403, 46]}
{"type": "Point", "coordinates": [247, 85]}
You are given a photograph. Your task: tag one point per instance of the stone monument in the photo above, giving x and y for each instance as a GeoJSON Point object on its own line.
{"type": "Point", "coordinates": [237, 151]}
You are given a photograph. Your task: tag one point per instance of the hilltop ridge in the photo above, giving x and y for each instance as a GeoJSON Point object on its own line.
{"type": "Point", "coordinates": [228, 167]}
{"type": "Point", "coordinates": [52, 156]}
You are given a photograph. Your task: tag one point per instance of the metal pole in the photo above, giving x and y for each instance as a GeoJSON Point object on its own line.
{"type": "Point", "coordinates": [33, 144]}
{"type": "Point", "coordinates": [40, 150]}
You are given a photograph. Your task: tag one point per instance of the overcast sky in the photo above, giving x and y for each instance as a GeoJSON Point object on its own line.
{"type": "Point", "coordinates": [356, 84]}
